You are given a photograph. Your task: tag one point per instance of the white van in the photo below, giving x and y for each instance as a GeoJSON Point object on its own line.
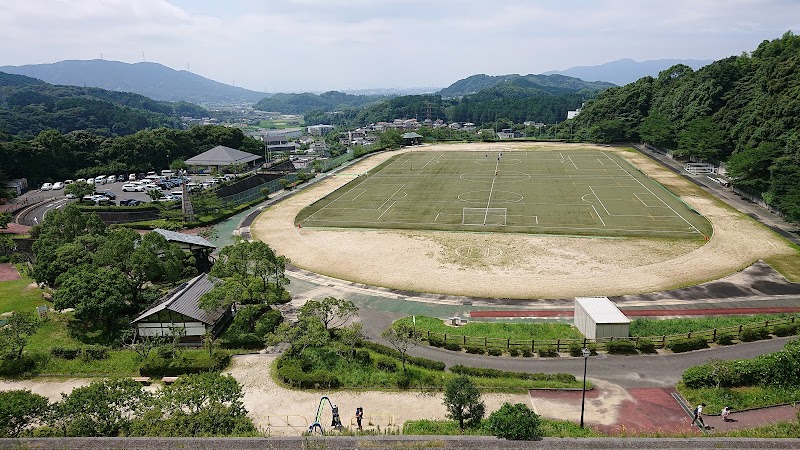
{"type": "Point", "coordinates": [167, 173]}
{"type": "Point", "coordinates": [100, 180]}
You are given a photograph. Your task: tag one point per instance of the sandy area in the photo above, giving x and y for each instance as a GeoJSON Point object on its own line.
{"type": "Point", "coordinates": [518, 266]}
{"type": "Point", "coordinates": [281, 411]}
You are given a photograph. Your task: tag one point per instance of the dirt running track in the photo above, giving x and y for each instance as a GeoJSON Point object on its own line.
{"type": "Point", "coordinates": [533, 266]}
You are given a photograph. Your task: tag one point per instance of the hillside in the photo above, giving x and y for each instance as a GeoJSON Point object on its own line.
{"type": "Point", "coordinates": [29, 106]}
{"type": "Point", "coordinates": [744, 110]}
{"type": "Point", "coordinates": [149, 79]}
{"type": "Point", "coordinates": [326, 102]}
{"type": "Point", "coordinates": [624, 71]}
{"type": "Point", "coordinates": [549, 84]}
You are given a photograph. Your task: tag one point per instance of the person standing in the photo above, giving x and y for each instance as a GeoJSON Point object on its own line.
{"type": "Point", "coordinates": [698, 416]}
{"type": "Point", "coordinates": [359, 417]}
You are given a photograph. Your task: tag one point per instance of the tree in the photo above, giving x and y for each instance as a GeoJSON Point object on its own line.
{"type": "Point", "coordinates": [205, 202]}
{"type": "Point", "coordinates": [7, 245]}
{"type": "Point", "coordinates": [155, 194]}
{"type": "Point", "coordinates": [103, 408]}
{"type": "Point", "coordinates": [100, 297]}
{"type": "Point", "coordinates": [656, 129]}
{"type": "Point", "coordinates": [19, 409]}
{"type": "Point", "coordinates": [351, 336]}
{"type": "Point", "coordinates": [515, 422]}
{"type": "Point", "coordinates": [5, 219]}
{"type": "Point", "coordinates": [702, 138]}
{"type": "Point", "coordinates": [308, 332]}
{"type": "Point", "coordinates": [333, 312]}
{"type": "Point", "coordinates": [463, 401]}
{"type": "Point", "coordinates": [402, 337]}
{"type": "Point", "coordinates": [14, 334]}
{"type": "Point", "coordinates": [79, 189]}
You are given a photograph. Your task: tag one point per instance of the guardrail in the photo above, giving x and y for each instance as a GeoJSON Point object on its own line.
{"type": "Point", "coordinates": [563, 345]}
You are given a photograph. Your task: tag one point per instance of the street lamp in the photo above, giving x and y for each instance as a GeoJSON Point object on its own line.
{"type": "Point", "coordinates": [586, 353]}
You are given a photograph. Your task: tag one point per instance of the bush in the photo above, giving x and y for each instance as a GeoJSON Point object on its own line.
{"type": "Point", "coordinates": [386, 364]}
{"type": "Point", "coordinates": [94, 353]}
{"type": "Point", "coordinates": [186, 363]}
{"type": "Point", "coordinates": [513, 352]}
{"type": "Point", "coordinates": [403, 381]}
{"type": "Point", "coordinates": [724, 339]}
{"type": "Point", "coordinates": [515, 422]}
{"type": "Point", "coordinates": [494, 373]}
{"type": "Point", "coordinates": [452, 346]}
{"type": "Point", "coordinates": [476, 350]}
{"type": "Point", "coordinates": [789, 329]}
{"type": "Point", "coordinates": [754, 334]}
{"type": "Point", "coordinates": [15, 367]}
{"type": "Point", "coordinates": [646, 346]}
{"type": "Point", "coordinates": [548, 352]}
{"type": "Point", "coordinates": [268, 322]}
{"type": "Point", "coordinates": [435, 341]}
{"type": "Point", "coordinates": [621, 347]}
{"type": "Point", "coordinates": [697, 377]}
{"type": "Point", "coordinates": [575, 349]}
{"type": "Point", "coordinates": [290, 372]}
{"type": "Point", "coordinates": [249, 341]}
{"type": "Point", "coordinates": [363, 357]}
{"type": "Point", "coordinates": [527, 353]}
{"type": "Point", "coordinates": [414, 360]}
{"type": "Point", "coordinates": [687, 345]}
{"type": "Point", "coordinates": [494, 351]}
{"type": "Point", "coordinates": [65, 352]}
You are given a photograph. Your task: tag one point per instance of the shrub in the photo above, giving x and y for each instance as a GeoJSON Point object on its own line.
{"type": "Point", "coordinates": [386, 364]}
{"type": "Point", "coordinates": [495, 373]}
{"type": "Point", "coordinates": [753, 334]}
{"type": "Point", "coordinates": [414, 360]}
{"type": "Point", "coordinates": [646, 346]}
{"type": "Point", "coordinates": [476, 350]}
{"type": "Point", "coordinates": [403, 381]}
{"type": "Point", "coordinates": [14, 367]}
{"type": "Point", "coordinates": [363, 357]}
{"type": "Point", "coordinates": [94, 353]}
{"type": "Point", "coordinates": [724, 339]}
{"type": "Point", "coordinates": [687, 345]}
{"type": "Point", "coordinates": [241, 340]}
{"type": "Point", "coordinates": [494, 351]}
{"type": "Point", "coordinates": [575, 349]}
{"type": "Point", "coordinates": [452, 346]}
{"type": "Point", "coordinates": [697, 377]}
{"type": "Point", "coordinates": [435, 341]}
{"type": "Point", "coordinates": [782, 330]}
{"type": "Point", "coordinates": [186, 363]}
{"type": "Point", "coordinates": [513, 352]}
{"type": "Point", "coordinates": [290, 372]}
{"type": "Point", "coordinates": [65, 352]}
{"type": "Point", "coordinates": [515, 422]}
{"type": "Point", "coordinates": [548, 352]}
{"type": "Point", "coordinates": [527, 353]}
{"type": "Point", "coordinates": [621, 347]}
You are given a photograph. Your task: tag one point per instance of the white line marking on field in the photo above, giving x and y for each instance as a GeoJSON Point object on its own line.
{"type": "Point", "coordinates": [598, 216]}
{"type": "Point", "coordinates": [598, 199]}
{"type": "Point", "coordinates": [387, 210]}
{"type": "Point", "coordinates": [426, 164]}
{"type": "Point", "coordinates": [437, 216]}
{"type": "Point", "coordinates": [573, 163]}
{"type": "Point", "coordinates": [359, 195]}
{"type": "Point", "coordinates": [496, 167]}
{"type": "Point", "coordinates": [390, 197]}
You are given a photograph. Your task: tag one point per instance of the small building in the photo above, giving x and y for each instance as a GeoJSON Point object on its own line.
{"type": "Point", "coordinates": [219, 157]}
{"type": "Point", "coordinates": [198, 246]}
{"type": "Point", "coordinates": [412, 138]}
{"type": "Point", "coordinates": [598, 317]}
{"type": "Point", "coordinates": [179, 311]}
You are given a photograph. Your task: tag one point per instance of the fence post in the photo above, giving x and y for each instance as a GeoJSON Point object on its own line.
{"type": "Point", "coordinates": [689, 335]}
{"type": "Point", "coordinates": [508, 343]}
{"type": "Point", "coordinates": [740, 331]}
{"type": "Point", "coordinates": [485, 342]}
{"type": "Point", "coordinates": [465, 339]}
{"type": "Point", "coordinates": [714, 336]}
{"type": "Point", "coordinates": [429, 334]}
{"type": "Point", "coordinates": [533, 345]}
{"type": "Point", "coordinates": [664, 341]}
{"type": "Point", "coordinates": [558, 345]}
{"type": "Point", "coordinates": [445, 338]}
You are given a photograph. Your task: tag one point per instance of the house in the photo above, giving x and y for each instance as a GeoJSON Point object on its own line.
{"type": "Point", "coordinates": [196, 245]}
{"type": "Point", "coordinates": [320, 130]}
{"type": "Point", "coordinates": [412, 138]}
{"type": "Point", "coordinates": [219, 157]}
{"type": "Point", "coordinates": [179, 311]}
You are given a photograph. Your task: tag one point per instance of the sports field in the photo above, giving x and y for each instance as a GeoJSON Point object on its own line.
{"type": "Point", "coordinates": [574, 192]}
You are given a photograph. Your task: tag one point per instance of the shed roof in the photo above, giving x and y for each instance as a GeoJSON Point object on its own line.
{"type": "Point", "coordinates": [221, 156]}
{"type": "Point", "coordinates": [411, 135]}
{"type": "Point", "coordinates": [183, 238]}
{"type": "Point", "coordinates": [186, 300]}
{"type": "Point", "coordinates": [602, 310]}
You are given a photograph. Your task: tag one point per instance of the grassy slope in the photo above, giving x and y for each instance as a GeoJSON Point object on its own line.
{"type": "Point", "coordinates": [499, 330]}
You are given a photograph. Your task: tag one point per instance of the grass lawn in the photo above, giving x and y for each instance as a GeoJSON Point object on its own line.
{"type": "Point", "coordinates": [521, 331]}
{"type": "Point", "coordinates": [550, 428]}
{"type": "Point", "coordinates": [739, 398]}
{"type": "Point", "coordinates": [576, 192]}
{"type": "Point", "coordinates": [660, 327]}
{"type": "Point", "coordinates": [17, 295]}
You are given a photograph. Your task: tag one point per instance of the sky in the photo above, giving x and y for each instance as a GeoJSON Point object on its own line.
{"type": "Point", "coordinates": [318, 45]}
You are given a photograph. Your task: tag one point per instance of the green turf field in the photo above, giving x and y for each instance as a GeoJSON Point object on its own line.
{"type": "Point", "coordinates": [541, 192]}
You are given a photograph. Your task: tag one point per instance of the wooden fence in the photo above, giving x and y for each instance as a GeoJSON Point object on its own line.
{"type": "Point", "coordinates": [563, 345]}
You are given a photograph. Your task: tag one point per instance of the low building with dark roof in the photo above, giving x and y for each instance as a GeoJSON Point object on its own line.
{"type": "Point", "coordinates": [196, 245]}
{"type": "Point", "coordinates": [219, 157]}
{"type": "Point", "coordinates": [179, 311]}
{"type": "Point", "coordinates": [412, 138]}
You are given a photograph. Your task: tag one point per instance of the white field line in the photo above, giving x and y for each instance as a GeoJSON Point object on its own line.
{"type": "Point", "coordinates": [573, 163]}
{"type": "Point", "coordinates": [426, 164]}
{"type": "Point", "coordinates": [496, 167]}
{"type": "Point", "coordinates": [437, 216]}
{"type": "Point", "coordinates": [598, 199]}
{"type": "Point", "coordinates": [387, 210]}
{"type": "Point", "coordinates": [598, 216]}
{"type": "Point", "coordinates": [662, 201]}
{"type": "Point", "coordinates": [390, 197]}
{"type": "Point", "coordinates": [359, 195]}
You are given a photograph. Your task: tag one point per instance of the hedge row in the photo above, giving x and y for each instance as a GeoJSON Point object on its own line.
{"type": "Point", "coordinates": [687, 345]}
{"type": "Point", "coordinates": [291, 373]}
{"type": "Point", "coordinates": [185, 363]}
{"type": "Point", "coordinates": [414, 360]}
{"type": "Point", "coordinates": [781, 368]}
{"type": "Point", "coordinates": [89, 353]}
{"type": "Point", "coordinates": [494, 373]}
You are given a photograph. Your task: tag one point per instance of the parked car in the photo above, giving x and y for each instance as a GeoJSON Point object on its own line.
{"type": "Point", "coordinates": [81, 180]}
{"type": "Point", "coordinates": [132, 188]}
{"type": "Point", "coordinates": [98, 199]}
{"type": "Point", "coordinates": [132, 177]}
{"type": "Point", "coordinates": [178, 194]}
{"type": "Point", "coordinates": [47, 186]}
{"type": "Point", "coordinates": [121, 178]}
{"type": "Point", "coordinates": [90, 181]}
{"type": "Point", "coordinates": [67, 182]}
{"type": "Point", "coordinates": [108, 194]}
{"type": "Point", "coordinates": [169, 198]}
{"type": "Point", "coordinates": [100, 179]}
{"type": "Point", "coordinates": [71, 195]}
{"type": "Point", "coordinates": [58, 185]}
{"type": "Point", "coordinates": [130, 202]}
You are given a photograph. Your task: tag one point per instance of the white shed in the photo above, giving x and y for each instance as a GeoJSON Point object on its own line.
{"type": "Point", "coordinates": [598, 317]}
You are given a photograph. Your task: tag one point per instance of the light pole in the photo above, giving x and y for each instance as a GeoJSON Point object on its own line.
{"type": "Point", "coordinates": [585, 352]}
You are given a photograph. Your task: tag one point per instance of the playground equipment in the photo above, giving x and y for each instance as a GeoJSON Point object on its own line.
{"type": "Point", "coordinates": [317, 425]}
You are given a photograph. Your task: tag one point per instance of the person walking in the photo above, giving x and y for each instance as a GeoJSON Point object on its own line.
{"type": "Point", "coordinates": [698, 416]}
{"type": "Point", "coordinates": [359, 417]}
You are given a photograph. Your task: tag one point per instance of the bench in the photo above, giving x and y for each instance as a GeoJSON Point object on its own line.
{"type": "Point", "coordinates": [143, 380]}
{"type": "Point", "coordinates": [169, 380]}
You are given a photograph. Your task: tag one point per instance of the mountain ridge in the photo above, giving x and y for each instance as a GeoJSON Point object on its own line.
{"type": "Point", "coordinates": [626, 70]}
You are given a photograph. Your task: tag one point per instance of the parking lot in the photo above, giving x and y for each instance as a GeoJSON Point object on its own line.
{"type": "Point", "coordinates": [116, 189]}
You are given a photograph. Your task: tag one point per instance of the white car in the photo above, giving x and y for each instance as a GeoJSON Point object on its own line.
{"type": "Point", "coordinates": [132, 177]}
{"type": "Point", "coordinates": [178, 194]}
{"type": "Point", "coordinates": [130, 187]}
{"type": "Point", "coordinates": [90, 181]}
{"type": "Point", "coordinates": [68, 182]}
{"type": "Point", "coordinates": [47, 186]}
{"type": "Point", "coordinates": [58, 185]}
{"type": "Point", "coordinates": [100, 179]}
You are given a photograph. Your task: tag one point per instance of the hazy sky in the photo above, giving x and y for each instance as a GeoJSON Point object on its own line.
{"type": "Point", "coordinates": [312, 45]}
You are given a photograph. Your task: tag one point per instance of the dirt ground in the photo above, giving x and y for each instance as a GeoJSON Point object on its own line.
{"type": "Point", "coordinates": [530, 266]}
{"type": "Point", "coordinates": [8, 272]}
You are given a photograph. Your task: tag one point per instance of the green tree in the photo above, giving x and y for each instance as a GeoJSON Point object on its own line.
{"type": "Point", "coordinates": [463, 401]}
{"type": "Point", "coordinates": [79, 189]}
{"type": "Point", "coordinates": [656, 129]}
{"type": "Point", "coordinates": [702, 138]}
{"type": "Point", "coordinates": [15, 333]}
{"type": "Point", "coordinates": [155, 194]}
{"type": "Point", "coordinates": [20, 409]}
{"type": "Point", "coordinates": [206, 202]}
{"type": "Point", "coordinates": [7, 245]}
{"type": "Point", "coordinates": [308, 332]}
{"type": "Point", "coordinates": [5, 219]}
{"type": "Point", "coordinates": [751, 167]}
{"type": "Point", "coordinates": [515, 422]}
{"type": "Point", "coordinates": [403, 337]}
{"type": "Point", "coordinates": [333, 312]}
{"type": "Point", "coordinates": [351, 336]}
{"type": "Point", "coordinates": [100, 297]}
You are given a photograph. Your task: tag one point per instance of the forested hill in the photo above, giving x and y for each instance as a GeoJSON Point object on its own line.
{"type": "Point", "coordinates": [744, 110]}
{"type": "Point", "coordinates": [550, 84]}
{"type": "Point", "coordinates": [153, 80]}
{"type": "Point", "coordinates": [28, 106]}
{"type": "Point", "coordinates": [326, 102]}
{"type": "Point", "coordinates": [624, 71]}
